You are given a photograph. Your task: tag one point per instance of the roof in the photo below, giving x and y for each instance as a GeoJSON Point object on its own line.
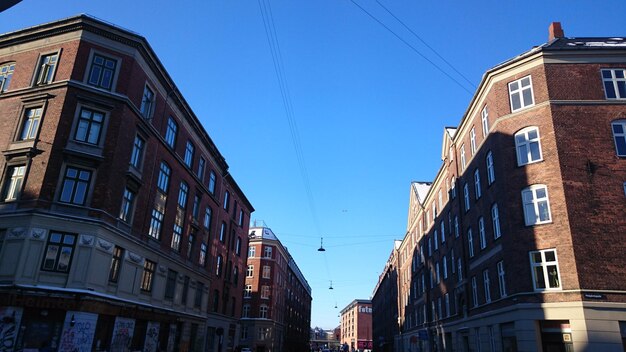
{"type": "Point", "coordinates": [421, 190]}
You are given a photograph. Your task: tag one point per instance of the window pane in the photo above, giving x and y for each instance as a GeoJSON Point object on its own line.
{"type": "Point", "coordinates": [606, 74]}
{"type": "Point", "coordinates": [553, 277]}
{"type": "Point", "coordinates": [550, 257]}
{"type": "Point", "coordinates": [609, 89]}
{"type": "Point", "coordinates": [515, 101]}
{"type": "Point", "coordinates": [541, 193]}
{"type": "Point", "coordinates": [64, 259]}
{"type": "Point", "coordinates": [621, 87]}
{"type": "Point", "coordinates": [544, 211]}
{"type": "Point", "coordinates": [619, 73]}
{"type": "Point", "coordinates": [528, 97]}
{"type": "Point", "coordinates": [621, 146]}
{"type": "Point", "coordinates": [539, 279]}
{"type": "Point", "coordinates": [618, 128]}
{"type": "Point", "coordinates": [537, 257]}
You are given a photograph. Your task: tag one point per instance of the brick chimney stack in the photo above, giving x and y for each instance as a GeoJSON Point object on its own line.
{"type": "Point", "coordinates": [555, 31]}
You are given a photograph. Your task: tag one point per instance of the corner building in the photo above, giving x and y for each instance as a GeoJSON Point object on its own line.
{"type": "Point", "coordinates": [516, 244]}
{"type": "Point", "coordinates": [356, 325]}
{"type": "Point", "coordinates": [120, 225]}
{"type": "Point", "coordinates": [277, 298]}
{"type": "Point", "coordinates": [385, 305]}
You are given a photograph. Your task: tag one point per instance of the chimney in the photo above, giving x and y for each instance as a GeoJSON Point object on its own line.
{"type": "Point", "coordinates": [555, 31]}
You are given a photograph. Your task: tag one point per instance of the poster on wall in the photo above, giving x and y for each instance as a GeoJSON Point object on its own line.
{"type": "Point", "coordinates": [10, 318]}
{"type": "Point", "coordinates": [152, 337]}
{"type": "Point", "coordinates": [122, 334]}
{"type": "Point", "coordinates": [78, 332]}
{"type": "Point", "coordinates": [171, 338]}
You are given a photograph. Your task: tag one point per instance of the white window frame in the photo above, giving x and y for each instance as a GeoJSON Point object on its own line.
{"type": "Point", "coordinates": [615, 81]}
{"type": "Point", "coordinates": [470, 242]}
{"type": "Point", "coordinates": [484, 118]}
{"type": "Point", "coordinates": [491, 174]}
{"type": "Point", "coordinates": [523, 147]}
{"type": "Point", "coordinates": [45, 71]}
{"type": "Point", "coordinates": [474, 292]}
{"type": "Point", "coordinates": [481, 233]}
{"type": "Point", "coordinates": [495, 220]}
{"type": "Point", "coordinates": [265, 292]}
{"type": "Point", "coordinates": [114, 77]}
{"type": "Point", "coordinates": [251, 251]}
{"type": "Point", "coordinates": [477, 189]}
{"type": "Point", "coordinates": [14, 182]}
{"type": "Point", "coordinates": [473, 140]}
{"type": "Point", "coordinates": [6, 74]}
{"type": "Point", "coordinates": [533, 204]}
{"type": "Point", "coordinates": [267, 252]}
{"type": "Point", "coordinates": [501, 278]}
{"type": "Point", "coordinates": [487, 286]}
{"type": "Point", "coordinates": [444, 261]}
{"type": "Point", "coordinates": [463, 161]}
{"type": "Point", "coordinates": [148, 99]}
{"type": "Point", "coordinates": [266, 272]}
{"type": "Point", "coordinates": [250, 271]}
{"type": "Point", "coordinates": [544, 264]}
{"type": "Point", "coordinates": [466, 197]}
{"type": "Point", "coordinates": [619, 138]}
{"type": "Point", "coordinates": [519, 93]}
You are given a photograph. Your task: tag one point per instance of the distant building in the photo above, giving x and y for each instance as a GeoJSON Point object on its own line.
{"type": "Point", "coordinates": [121, 227]}
{"type": "Point", "coordinates": [277, 298]}
{"type": "Point", "coordinates": [385, 305]}
{"type": "Point", "coordinates": [517, 244]}
{"type": "Point", "coordinates": [356, 325]}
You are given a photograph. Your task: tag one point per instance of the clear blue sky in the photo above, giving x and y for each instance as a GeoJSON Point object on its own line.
{"type": "Point", "coordinates": [370, 111]}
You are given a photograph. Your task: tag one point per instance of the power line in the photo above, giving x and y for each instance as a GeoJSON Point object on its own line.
{"type": "Point", "coordinates": [412, 47]}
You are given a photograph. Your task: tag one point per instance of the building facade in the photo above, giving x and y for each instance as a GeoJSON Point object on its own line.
{"type": "Point", "coordinates": [356, 325]}
{"type": "Point", "coordinates": [385, 305]}
{"type": "Point", "coordinates": [515, 245]}
{"type": "Point", "coordinates": [120, 226]}
{"type": "Point", "coordinates": [277, 298]}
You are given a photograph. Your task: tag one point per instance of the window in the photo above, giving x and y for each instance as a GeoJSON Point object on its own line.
{"type": "Point", "coordinates": [266, 271]}
{"type": "Point", "coordinates": [176, 235]}
{"type": "Point", "coordinates": [137, 154]}
{"type": "Point", "coordinates": [250, 271]}
{"type": "Point", "coordinates": [156, 220]}
{"type": "Point", "coordinates": [447, 300]}
{"type": "Point", "coordinates": [238, 246]}
{"type": "Point", "coordinates": [202, 259]}
{"type": "Point", "coordinates": [102, 72]}
{"type": "Point", "coordinates": [208, 212]}
{"type": "Point", "coordinates": [127, 205]}
{"type": "Point", "coordinates": [501, 281]}
{"type": "Point", "coordinates": [527, 146]}
{"type": "Point", "coordinates": [245, 313]}
{"type": "Point", "coordinates": [216, 300]}
{"type": "Point", "coordinates": [473, 140]}
{"type": "Point", "coordinates": [218, 267]}
{"type": "Point", "coordinates": [226, 200]}
{"type": "Point", "coordinates": [614, 83]}
{"type": "Point", "coordinates": [182, 195]}
{"type": "Point", "coordinates": [536, 205]}
{"type": "Point", "coordinates": [75, 185]}
{"type": "Point", "coordinates": [484, 117]}
{"type": "Point", "coordinates": [164, 177]}
{"type": "Point", "coordinates": [241, 216]}
{"type": "Point", "coordinates": [456, 226]}
{"type": "Point", "coordinates": [247, 291]}
{"type": "Point", "coordinates": [201, 166]}
{"type": "Point", "coordinates": [491, 174]}
{"type": "Point", "coordinates": [223, 232]}
{"type": "Point", "coordinates": [196, 207]}
{"type": "Point", "coordinates": [443, 230]}
{"type": "Point", "coordinates": [197, 302]}
{"type": "Point", "coordinates": [89, 126]}
{"type": "Point", "coordinates": [624, 188]}
{"type": "Point", "coordinates": [267, 252]}
{"type": "Point", "coordinates": [486, 286]}
{"type": "Point", "coordinates": [444, 263]}
{"type": "Point", "coordinates": [265, 292]}
{"type": "Point", "coordinates": [170, 133]}
{"type": "Point", "coordinates": [170, 284]}
{"type": "Point", "coordinates": [147, 102]}
{"type": "Point", "coordinates": [619, 136]}
{"type": "Point", "coordinates": [235, 275]}
{"type": "Point", "coordinates": [46, 68]}
{"type": "Point", "coordinates": [251, 251]}
{"type": "Point", "coordinates": [189, 150]}
{"type": "Point", "coordinates": [190, 239]}
{"type": "Point", "coordinates": [59, 251]}
{"type": "Point", "coordinates": [521, 94]}
{"type": "Point", "coordinates": [462, 157]}
{"type": "Point", "coordinates": [477, 183]}
{"type": "Point", "coordinates": [116, 263]}
{"type": "Point", "coordinates": [470, 242]}
{"type": "Point", "coordinates": [453, 187]}
{"type": "Point", "coordinates": [545, 269]}
{"type": "Point", "coordinates": [148, 275]}
{"type": "Point", "coordinates": [6, 73]}
{"type": "Point", "coordinates": [262, 315]}
{"type": "Point", "coordinates": [495, 219]}
{"type": "Point", "coordinates": [13, 186]}
{"type": "Point", "coordinates": [474, 292]}
{"type": "Point", "coordinates": [459, 269]}
{"type": "Point", "coordinates": [481, 233]}
{"type": "Point", "coordinates": [436, 239]}
{"type": "Point", "coordinates": [466, 197]}
{"type": "Point", "coordinates": [30, 126]}
{"type": "Point", "coordinates": [212, 182]}
{"type": "Point", "coordinates": [452, 260]}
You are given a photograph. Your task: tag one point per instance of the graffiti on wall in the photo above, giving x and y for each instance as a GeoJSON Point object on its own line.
{"type": "Point", "coordinates": [122, 334]}
{"type": "Point", "coordinates": [152, 337]}
{"type": "Point", "coordinates": [10, 318]}
{"type": "Point", "coordinates": [78, 332]}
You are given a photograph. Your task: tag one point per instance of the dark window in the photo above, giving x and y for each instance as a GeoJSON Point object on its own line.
{"type": "Point", "coordinates": [147, 276]}
{"type": "Point", "coordinates": [170, 134]}
{"type": "Point", "coordinates": [216, 300]}
{"type": "Point", "coordinates": [190, 240]}
{"type": "Point", "coordinates": [238, 246]}
{"type": "Point", "coordinates": [116, 263]}
{"type": "Point", "coordinates": [170, 284]}
{"type": "Point", "coordinates": [196, 207]}
{"type": "Point", "coordinates": [147, 102]}
{"type": "Point", "coordinates": [197, 302]}
{"type": "Point", "coordinates": [218, 267]}
{"type": "Point", "coordinates": [59, 251]}
{"type": "Point", "coordinates": [45, 70]}
{"type": "Point", "coordinates": [75, 185]}
{"type": "Point", "coordinates": [156, 220]}
{"type": "Point", "coordinates": [212, 182]}
{"type": "Point", "coordinates": [164, 177]}
{"type": "Point", "coordinates": [223, 232]}
{"type": "Point", "coordinates": [201, 166]}
{"type": "Point", "coordinates": [89, 126]}
{"type": "Point", "coordinates": [182, 195]}
{"type": "Point", "coordinates": [183, 299]}
{"type": "Point", "coordinates": [226, 200]}
{"type": "Point", "coordinates": [137, 153]}
{"type": "Point", "coordinates": [102, 72]}
{"type": "Point", "coordinates": [127, 205]}
{"type": "Point", "coordinates": [207, 218]}
{"type": "Point", "coordinates": [189, 151]}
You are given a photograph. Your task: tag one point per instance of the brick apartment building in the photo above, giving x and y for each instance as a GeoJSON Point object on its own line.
{"type": "Point", "coordinates": [276, 313]}
{"type": "Point", "coordinates": [120, 225]}
{"type": "Point", "coordinates": [385, 305]}
{"type": "Point", "coordinates": [518, 243]}
{"type": "Point", "coordinates": [356, 325]}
